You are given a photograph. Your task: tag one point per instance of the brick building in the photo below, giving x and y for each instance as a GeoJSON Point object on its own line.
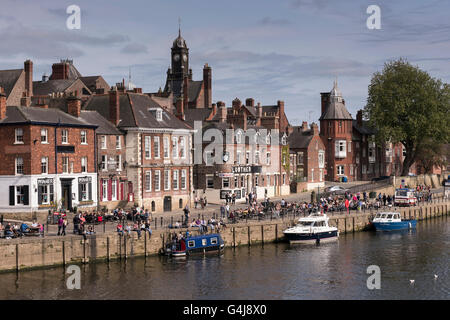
{"type": "Point", "coordinates": [307, 158]}
{"type": "Point", "coordinates": [47, 159]}
{"type": "Point", "coordinates": [158, 158]}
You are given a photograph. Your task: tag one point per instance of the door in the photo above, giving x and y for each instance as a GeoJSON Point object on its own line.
{"type": "Point", "coordinates": [66, 188]}
{"type": "Point", "coordinates": [167, 203]}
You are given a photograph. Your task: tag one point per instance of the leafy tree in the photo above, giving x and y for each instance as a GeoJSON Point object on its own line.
{"type": "Point", "coordinates": [407, 105]}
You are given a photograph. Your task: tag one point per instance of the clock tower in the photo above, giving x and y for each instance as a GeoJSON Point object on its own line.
{"type": "Point", "coordinates": [180, 58]}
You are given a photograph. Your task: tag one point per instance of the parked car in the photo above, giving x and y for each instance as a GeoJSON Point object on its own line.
{"type": "Point", "coordinates": [336, 190]}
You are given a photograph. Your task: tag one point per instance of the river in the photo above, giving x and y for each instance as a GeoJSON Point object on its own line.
{"type": "Point", "coordinates": [335, 270]}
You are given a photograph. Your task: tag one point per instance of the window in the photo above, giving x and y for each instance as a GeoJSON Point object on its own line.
{"type": "Point", "coordinates": [299, 157]}
{"type": "Point", "coordinates": [103, 142]}
{"type": "Point", "coordinates": [159, 114]}
{"type": "Point", "coordinates": [247, 157]}
{"type": "Point", "coordinates": [341, 149]}
{"type": "Point", "coordinates": [183, 179]}
{"type": "Point", "coordinates": [148, 181]}
{"type": "Point", "coordinates": [312, 175]}
{"type": "Point", "coordinates": [268, 158]}
{"type": "Point", "coordinates": [20, 194]}
{"type": "Point", "coordinates": [19, 165]}
{"type": "Point", "coordinates": [84, 164]}
{"type": "Point", "coordinates": [44, 137]}
{"type": "Point", "coordinates": [236, 182]}
{"type": "Point", "coordinates": [257, 157]}
{"type": "Point", "coordinates": [118, 144]}
{"type": "Point", "coordinates": [156, 147]}
{"type": "Point", "coordinates": [191, 243]}
{"type": "Point", "coordinates": [166, 147]}
{"type": "Point", "coordinates": [114, 189]}
{"type": "Point", "coordinates": [174, 147]}
{"type": "Point", "coordinates": [284, 177]}
{"type": "Point", "coordinates": [351, 170]}
{"type": "Point", "coordinates": [119, 162]}
{"type": "Point", "coordinates": [153, 206]}
{"type": "Point", "coordinates": [45, 194]}
{"type": "Point", "coordinates": [340, 170]}
{"type": "Point", "coordinates": [268, 139]}
{"type": "Point", "coordinates": [284, 140]}
{"type": "Point", "coordinates": [175, 179]}
{"type": "Point", "coordinates": [83, 137]}
{"type": "Point", "coordinates": [44, 165]}
{"type": "Point", "coordinates": [321, 159]}
{"type": "Point", "coordinates": [166, 179]}
{"type": "Point", "coordinates": [157, 180]}
{"type": "Point", "coordinates": [104, 190]}
{"type": "Point", "coordinates": [239, 136]}
{"type": "Point", "coordinates": [349, 146]}
{"type": "Point", "coordinates": [147, 148]}
{"type": "Point", "coordinates": [64, 136]}
{"type": "Point", "coordinates": [256, 181]}
{"type": "Point", "coordinates": [225, 183]}
{"type": "Point", "coordinates": [103, 163]}
{"type": "Point", "coordinates": [213, 240]}
{"type": "Point", "coordinates": [204, 242]}
{"type": "Point", "coordinates": [242, 181]}
{"type": "Point", "coordinates": [183, 147]}
{"type": "Point", "coordinates": [210, 182]}
{"type": "Point", "coordinates": [65, 164]}
{"type": "Point", "coordinates": [19, 135]}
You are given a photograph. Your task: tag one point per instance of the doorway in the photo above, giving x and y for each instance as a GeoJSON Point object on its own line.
{"type": "Point", "coordinates": [66, 194]}
{"type": "Point", "coordinates": [167, 203]}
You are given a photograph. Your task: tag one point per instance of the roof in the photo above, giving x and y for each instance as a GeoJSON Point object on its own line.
{"type": "Point", "coordinates": [48, 87]}
{"type": "Point", "coordinates": [364, 129]}
{"type": "Point", "coordinates": [8, 79]}
{"type": "Point", "coordinates": [104, 126]}
{"type": "Point", "coordinates": [194, 90]}
{"type": "Point", "coordinates": [134, 111]}
{"type": "Point", "coordinates": [191, 115]}
{"type": "Point", "coordinates": [90, 81]}
{"type": "Point", "coordinates": [37, 115]}
{"type": "Point", "coordinates": [336, 111]}
{"type": "Point", "coordinates": [299, 139]}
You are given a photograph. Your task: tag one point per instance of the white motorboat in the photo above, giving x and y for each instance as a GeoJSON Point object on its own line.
{"type": "Point", "coordinates": [311, 229]}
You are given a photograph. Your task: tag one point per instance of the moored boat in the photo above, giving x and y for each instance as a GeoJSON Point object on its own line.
{"type": "Point", "coordinates": [200, 244]}
{"type": "Point", "coordinates": [392, 221]}
{"type": "Point", "coordinates": [311, 229]}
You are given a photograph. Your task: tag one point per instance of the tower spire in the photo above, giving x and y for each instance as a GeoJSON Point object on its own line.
{"type": "Point", "coordinates": [179, 26]}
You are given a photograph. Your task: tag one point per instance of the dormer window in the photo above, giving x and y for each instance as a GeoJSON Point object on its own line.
{"type": "Point", "coordinates": [159, 115]}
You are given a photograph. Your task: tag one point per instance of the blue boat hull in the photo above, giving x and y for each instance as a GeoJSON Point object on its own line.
{"type": "Point", "coordinates": [394, 226]}
{"type": "Point", "coordinates": [299, 238]}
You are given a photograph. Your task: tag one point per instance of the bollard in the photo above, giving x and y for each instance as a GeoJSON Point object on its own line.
{"type": "Point", "coordinates": [171, 221]}
{"type": "Point", "coordinates": [161, 222]}
{"type": "Point", "coordinates": [262, 234]}
{"type": "Point", "coordinates": [107, 249]}
{"type": "Point", "coordinates": [234, 237]}
{"type": "Point", "coordinates": [104, 226]}
{"type": "Point", "coordinates": [156, 222]}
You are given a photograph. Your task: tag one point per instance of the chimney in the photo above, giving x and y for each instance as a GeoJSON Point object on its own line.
{"type": "Point", "coordinates": [315, 129]}
{"type": "Point", "coordinates": [2, 104]}
{"type": "Point", "coordinates": [137, 90]}
{"type": "Point", "coordinates": [325, 100]}
{"type": "Point", "coordinates": [114, 106]}
{"type": "Point", "coordinates": [305, 126]}
{"type": "Point", "coordinates": [214, 109]}
{"type": "Point", "coordinates": [258, 112]}
{"type": "Point", "coordinates": [244, 121]}
{"type": "Point", "coordinates": [207, 80]}
{"type": "Point", "coordinates": [74, 105]}
{"type": "Point", "coordinates": [250, 102]}
{"type": "Point", "coordinates": [222, 111]}
{"type": "Point", "coordinates": [180, 108]}
{"type": "Point", "coordinates": [185, 92]}
{"type": "Point", "coordinates": [28, 67]}
{"type": "Point", "coordinates": [25, 101]}
{"type": "Point", "coordinates": [359, 118]}
{"type": "Point", "coordinates": [41, 104]}
{"type": "Point", "coordinates": [280, 113]}
{"type": "Point", "coordinates": [236, 104]}
{"type": "Point", "coordinates": [190, 74]}
{"type": "Point", "coordinates": [60, 71]}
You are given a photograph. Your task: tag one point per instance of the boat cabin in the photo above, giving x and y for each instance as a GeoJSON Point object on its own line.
{"type": "Point", "coordinates": [405, 196]}
{"type": "Point", "coordinates": [387, 217]}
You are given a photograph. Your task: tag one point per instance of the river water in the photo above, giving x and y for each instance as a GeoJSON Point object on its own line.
{"type": "Point", "coordinates": [335, 270]}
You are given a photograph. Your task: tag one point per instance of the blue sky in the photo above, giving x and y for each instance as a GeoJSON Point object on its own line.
{"type": "Point", "coordinates": [287, 50]}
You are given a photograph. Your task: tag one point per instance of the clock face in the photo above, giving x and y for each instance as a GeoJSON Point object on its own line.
{"type": "Point", "coordinates": [184, 57]}
{"type": "Point", "coordinates": [176, 57]}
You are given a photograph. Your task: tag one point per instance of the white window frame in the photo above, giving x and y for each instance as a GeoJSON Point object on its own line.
{"type": "Point", "coordinates": [268, 158]}
{"type": "Point", "coordinates": [44, 165]}
{"type": "Point", "coordinates": [84, 163]}
{"type": "Point", "coordinates": [340, 148]}
{"type": "Point", "coordinates": [64, 136]}
{"type": "Point", "coordinates": [118, 162]}
{"type": "Point", "coordinates": [65, 164]}
{"type": "Point", "coordinates": [148, 147]}
{"type": "Point", "coordinates": [104, 163]}
{"type": "Point", "coordinates": [209, 177]}
{"type": "Point", "coordinates": [167, 179]}
{"type": "Point", "coordinates": [183, 147]}
{"type": "Point", "coordinates": [44, 135]}
{"type": "Point", "coordinates": [183, 179]}
{"type": "Point", "coordinates": [83, 137]}
{"type": "Point", "coordinates": [175, 147]}
{"type": "Point", "coordinates": [338, 167]}
{"type": "Point", "coordinates": [148, 181]}
{"type": "Point", "coordinates": [166, 148]}
{"type": "Point", "coordinates": [157, 180]}
{"type": "Point", "coordinates": [118, 143]}
{"type": "Point", "coordinates": [321, 159]}
{"type": "Point", "coordinates": [175, 179]}
{"type": "Point", "coordinates": [104, 190]}
{"type": "Point", "coordinates": [18, 139]}
{"type": "Point", "coordinates": [156, 147]}
{"type": "Point", "coordinates": [103, 142]}
{"type": "Point", "coordinates": [17, 164]}
{"type": "Point", "coordinates": [114, 190]}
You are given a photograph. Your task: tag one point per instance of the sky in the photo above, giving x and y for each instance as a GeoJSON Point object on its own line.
{"type": "Point", "coordinates": [269, 50]}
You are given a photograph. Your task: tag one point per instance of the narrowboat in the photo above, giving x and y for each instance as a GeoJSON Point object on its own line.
{"type": "Point", "coordinates": [200, 244]}
{"type": "Point", "coordinates": [311, 229]}
{"type": "Point", "coordinates": [392, 221]}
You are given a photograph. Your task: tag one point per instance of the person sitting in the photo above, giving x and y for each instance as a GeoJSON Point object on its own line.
{"type": "Point", "coordinates": [90, 230]}
{"type": "Point", "coordinates": [119, 229]}
{"type": "Point", "coordinates": [24, 228]}
{"type": "Point", "coordinates": [8, 231]}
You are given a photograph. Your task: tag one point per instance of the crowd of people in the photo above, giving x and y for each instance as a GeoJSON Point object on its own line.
{"type": "Point", "coordinates": [14, 230]}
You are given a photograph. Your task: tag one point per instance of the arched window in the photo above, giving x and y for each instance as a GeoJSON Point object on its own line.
{"type": "Point", "coordinates": [180, 203]}
{"type": "Point", "coordinates": [153, 205]}
{"type": "Point", "coordinates": [238, 136]}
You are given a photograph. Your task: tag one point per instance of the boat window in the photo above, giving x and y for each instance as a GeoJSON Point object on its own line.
{"type": "Point", "coordinates": [389, 216]}
{"type": "Point", "coordinates": [213, 240]}
{"type": "Point", "coordinates": [396, 216]}
{"type": "Point", "coordinates": [191, 243]}
{"type": "Point", "coordinates": [378, 215]}
{"type": "Point", "coordinates": [203, 242]}
{"type": "Point", "coordinates": [383, 216]}
{"type": "Point", "coordinates": [306, 223]}
{"type": "Point", "coordinates": [401, 193]}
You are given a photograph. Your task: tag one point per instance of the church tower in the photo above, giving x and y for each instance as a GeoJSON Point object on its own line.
{"type": "Point", "coordinates": [180, 58]}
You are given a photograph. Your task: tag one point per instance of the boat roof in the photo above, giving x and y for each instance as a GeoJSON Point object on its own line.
{"type": "Point", "coordinates": [313, 217]}
{"type": "Point", "coordinates": [204, 236]}
{"type": "Point", "coordinates": [388, 212]}
{"type": "Point", "coordinates": [404, 189]}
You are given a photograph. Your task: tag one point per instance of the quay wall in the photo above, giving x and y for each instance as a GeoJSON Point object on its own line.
{"type": "Point", "coordinates": [20, 254]}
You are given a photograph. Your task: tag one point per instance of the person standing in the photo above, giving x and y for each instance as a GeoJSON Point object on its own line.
{"type": "Point", "coordinates": [60, 225]}
{"type": "Point", "coordinates": [186, 214]}
{"type": "Point", "coordinates": [64, 226]}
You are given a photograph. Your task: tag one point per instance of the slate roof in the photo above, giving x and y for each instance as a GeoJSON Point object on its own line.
{"type": "Point", "coordinates": [104, 126]}
{"type": "Point", "coordinates": [89, 81]}
{"type": "Point", "coordinates": [194, 88]}
{"type": "Point", "coordinates": [336, 111]}
{"type": "Point", "coordinates": [8, 79]}
{"type": "Point", "coordinates": [45, 88]}
{"type": "Point", "coordinates": [364, 129]}
{"type": "Point", "coordinates": [134, 111]}
{"type": "Point", "coordinates": [191, 115]}
{"type": "Point", "coordinates": [37, 115]}
{"type": "Point", "coordinates": [299, 139]}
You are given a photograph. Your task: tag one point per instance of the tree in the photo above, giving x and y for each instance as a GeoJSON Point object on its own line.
{"type": "Point", "coordinates": [407, 105]}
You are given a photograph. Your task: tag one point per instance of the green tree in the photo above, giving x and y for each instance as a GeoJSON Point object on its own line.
{"type": "Point", "coordinates": [407, 105]}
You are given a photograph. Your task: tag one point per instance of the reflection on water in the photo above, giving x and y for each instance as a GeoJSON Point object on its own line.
{"type": "Point", "coordinates": [335, 270]}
